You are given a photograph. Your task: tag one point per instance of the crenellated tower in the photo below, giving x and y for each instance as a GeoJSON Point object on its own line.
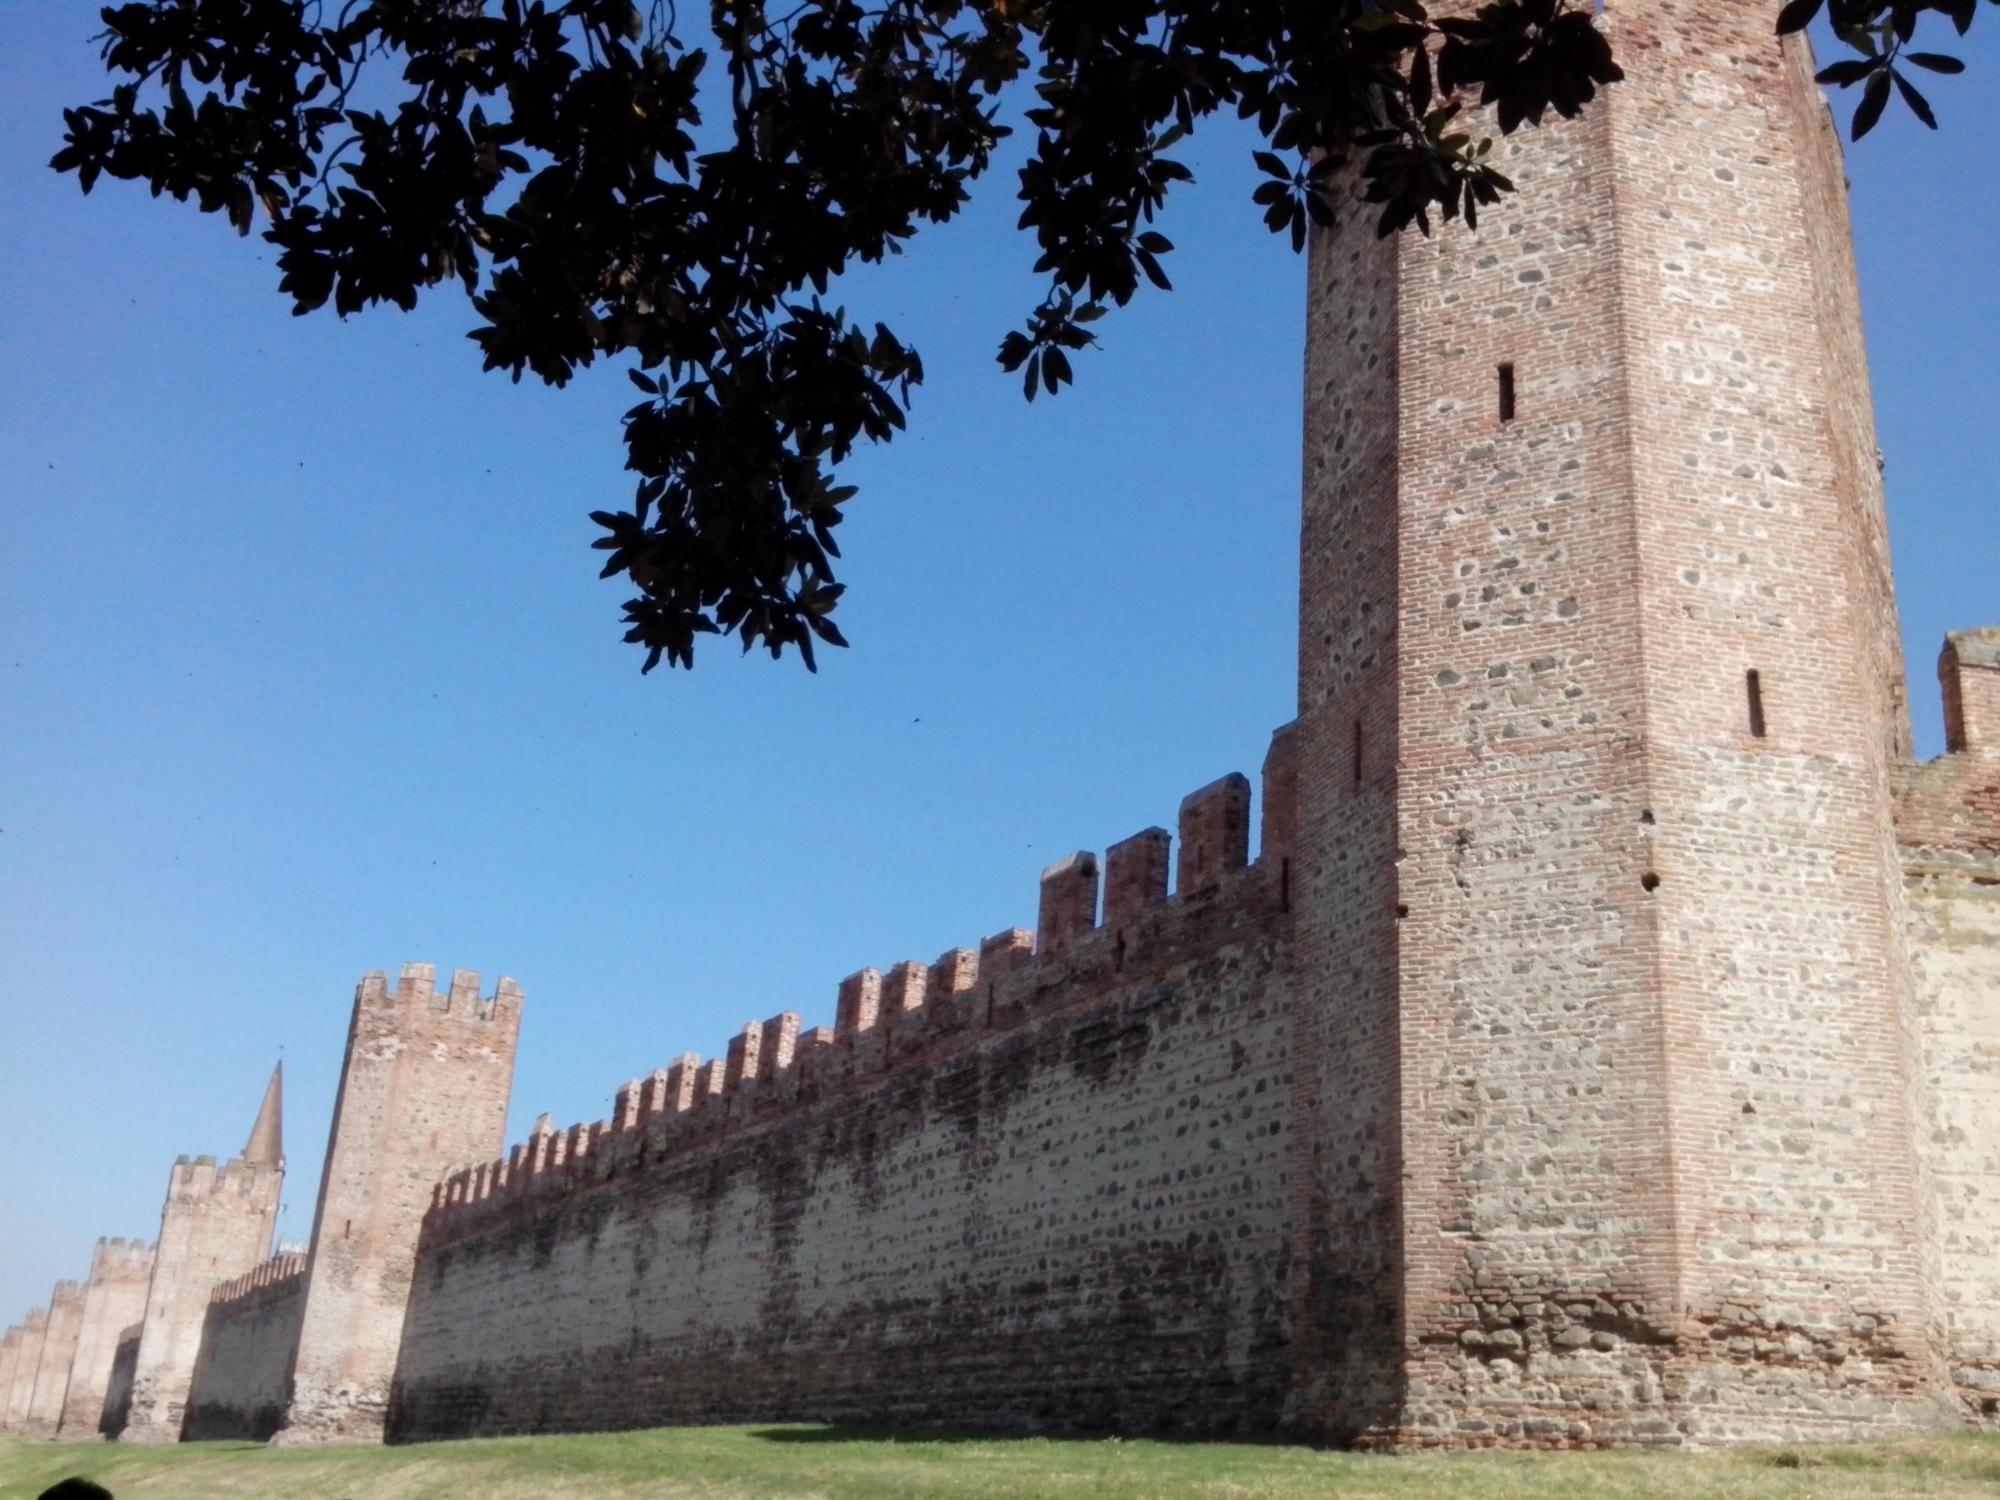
{"type": "Point", "coordinates": [423, 1088]}
{"type": "Point", "coordinates": [114, 1299]}
{"type": "Point", "coordinates": [216, 1225]}
{"type": "Point", "coordinates": [1608, 1088]}
{"type": "Point", "coordinates": [50, 1385]}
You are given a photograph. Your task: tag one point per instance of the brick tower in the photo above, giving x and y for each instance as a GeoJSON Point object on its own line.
{"type": "Point", "coordinates": [216, 1225]}
{"type": "Point", "coordinates": [113, 1300]}
{"type": "Point", "coordinates": [423, 1088]}
{"type": "Point", "coordinates": [1605, 1089]}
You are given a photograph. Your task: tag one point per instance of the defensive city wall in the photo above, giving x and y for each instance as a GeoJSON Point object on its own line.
{"type": "Point", "coordinates": [1601, 1048]}
{"type": "Point", "coordinates": [1039, 1184]}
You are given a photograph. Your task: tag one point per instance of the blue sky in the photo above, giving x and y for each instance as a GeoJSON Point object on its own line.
{"type": "Point", "coordinates": [305, 669]}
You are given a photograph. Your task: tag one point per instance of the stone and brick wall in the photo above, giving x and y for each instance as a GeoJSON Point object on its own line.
{"type": "Point", "coordinates": [1029, 1188]}
{"type": "Point", "coordinates": [113, 1300]}
{"type": "Point", "coordinates": [1948, 819]}
{"type": "Point", "coordinates": [250, 1339]}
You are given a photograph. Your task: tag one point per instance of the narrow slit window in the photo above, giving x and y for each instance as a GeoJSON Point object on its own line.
{"type": "Point", "coordinates": [1507, 393]}
{"type": "Point", "coordinates": [1357, 755]}
{"type": "Point", "coordinates": [1753, 689]}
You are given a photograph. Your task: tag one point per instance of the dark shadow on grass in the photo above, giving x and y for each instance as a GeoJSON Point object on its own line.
{"type": "Point", "coordinates": [838, 1432]}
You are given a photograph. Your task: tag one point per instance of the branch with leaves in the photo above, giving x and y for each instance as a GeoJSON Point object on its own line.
{"type": "Point", "coordinates": [552, 157]}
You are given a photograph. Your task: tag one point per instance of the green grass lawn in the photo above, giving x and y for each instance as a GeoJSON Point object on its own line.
{"type": "Point", "coordinates": [819, 1463]}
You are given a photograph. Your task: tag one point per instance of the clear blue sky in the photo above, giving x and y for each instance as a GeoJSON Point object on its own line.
{"type": "Point", "coordinates": [305, 670]}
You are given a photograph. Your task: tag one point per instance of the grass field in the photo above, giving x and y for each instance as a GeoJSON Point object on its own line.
{"type": "Point", "coordinates": [818, 1463]}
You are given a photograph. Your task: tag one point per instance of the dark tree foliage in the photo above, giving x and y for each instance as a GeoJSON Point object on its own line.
{"type": "Point", "coordinates": [544, 155]}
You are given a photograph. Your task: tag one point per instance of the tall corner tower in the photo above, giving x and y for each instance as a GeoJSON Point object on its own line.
{"type": "Point", "coordinates": [217, 1224]}
{"type": "Point", "coordinates": [1605, 1090]}
{"type": "Point", "coordinates": [423, 1088]}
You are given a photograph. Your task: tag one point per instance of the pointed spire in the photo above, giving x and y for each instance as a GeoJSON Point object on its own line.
{"type": "Point", "coordinates": [267, 1136]}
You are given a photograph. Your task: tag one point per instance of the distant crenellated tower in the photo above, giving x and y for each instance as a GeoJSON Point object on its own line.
{"type": "Point", "coordinates": [216, 1225]}
{"type": "Point", "coordinates": [423, 1088]}
{"type": "Point", "coordinates": [114, 1299]}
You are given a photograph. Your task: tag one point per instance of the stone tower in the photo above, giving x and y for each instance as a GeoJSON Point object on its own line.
{"type": "Point", "coordinates": [113, 1300]}
{"type": "Point", "coordinates": [1607, 1099]}
{"type": "Point", "coordinates": [423, 1088]}
{"type": "Point", "coordinates": [216, 1225]}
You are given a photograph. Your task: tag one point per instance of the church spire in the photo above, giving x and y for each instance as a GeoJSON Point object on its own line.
{"type": "Point", "coordinates": [266, 1146]}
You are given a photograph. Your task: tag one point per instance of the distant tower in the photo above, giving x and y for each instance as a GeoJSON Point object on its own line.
{"type": "Point", "coordinates": [113, 1300]}
{"type": "Point", "coordinates": [51, 1379]}
{"type": "Point", "coordinates": [1604, 1087]}
{"type": "Point", "coordinates": [216, 1225]}
{"type": "Point", "coordinates": [423, 1089]}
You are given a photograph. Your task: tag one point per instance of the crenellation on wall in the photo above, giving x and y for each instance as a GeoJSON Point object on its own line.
{"type": "Point", "coordinates": [1135, 876]}
{"type": "Point", "coordinates": [1068, 904]}
{"type": "Point", "coordinates": [910, 1018]}
{"type": "Point", "coordinates": [1215, 833]}
{"type": "Point", "coordinates": [1969, 677]}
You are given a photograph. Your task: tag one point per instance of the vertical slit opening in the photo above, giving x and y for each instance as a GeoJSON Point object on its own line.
{"type": "Point", "coordinates": [1357, 755]}
{"type": "Point", "coordinates": [1753, 689]}
{"type": "Point", "coordinates": [1507, 393]}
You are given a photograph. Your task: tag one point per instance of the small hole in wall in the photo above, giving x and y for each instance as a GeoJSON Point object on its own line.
{"type": "Point", "coordinates": [1357, 754]}
{"type": "Point", "coordinates": [1753, 689]}
{"type": "Point", "coordinates": [1649, 881]}
{"type": "Point", "coordinates": [1647, 818]}
{"type": "Point", "coordinates": [1507, 393]}
{"type": "Point", "coordinates": [1402, 910]}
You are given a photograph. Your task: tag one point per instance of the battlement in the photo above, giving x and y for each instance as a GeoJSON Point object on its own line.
{"type": "Point", "coordinates": [416, 996]}
{"type": "Point", "coordinates": [201, 1177]}
{"type": "Point", "coordinates": [916, 1014]}
{"type": "Point", "coordinates": [121, 1259]}
{"type": "Point", "coordinates": [1948, 809]}
{"type": "Point", "coordinates": [66, 1292]}
{"type": "Point", "coordinates": [281, 1276]}
{"type": "Point", "coordinates": [1969, 678]}
{"type": "Point", "coordinates": [118, 1256]}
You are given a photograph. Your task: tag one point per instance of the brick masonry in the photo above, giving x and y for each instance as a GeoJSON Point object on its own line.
{"type": "Point", "coordinates": [1600, 1048]}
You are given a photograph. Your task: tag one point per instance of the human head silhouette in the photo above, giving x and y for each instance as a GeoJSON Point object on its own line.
{"type": "Point", "coordinates": [75, 1488]}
